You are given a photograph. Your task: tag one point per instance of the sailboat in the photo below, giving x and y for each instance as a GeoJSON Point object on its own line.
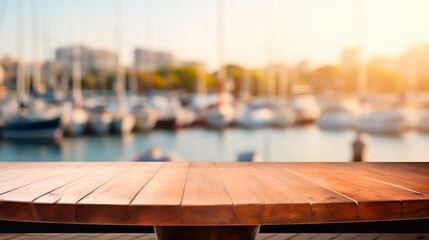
{"type": "Point", "coordinates": [423, 120]}
{"type": "Point", "coordinates": [123, 120]}
{"type": "Point", "coordinates": [257, 113]}
{"type": "Point", "coordinates": [284, 116]}
{"type": "Point", "coordinates": [145, 114]}
{"type": "Point", "coordinates": [75, 120]}
{"type": "Point", "coordinates": [199, 101]}
{"type": "Point", "coordinates": [338, 116]}
{"type": "Point", "coordinates": [392, 120]}
{"type": "Point", "coordinates": [222, 114]}
{"type": "Point", "coordinates": [26, 124]}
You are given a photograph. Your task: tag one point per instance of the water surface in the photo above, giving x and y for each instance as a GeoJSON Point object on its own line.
{"type": "Point", "coordinates": [307, 143]}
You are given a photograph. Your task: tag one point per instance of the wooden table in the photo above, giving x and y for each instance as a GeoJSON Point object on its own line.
{"type": "Point", "coordinates": [216, 199]}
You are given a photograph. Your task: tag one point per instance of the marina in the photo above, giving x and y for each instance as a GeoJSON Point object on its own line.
{"type": "Point", "coordinates": [303, 143]}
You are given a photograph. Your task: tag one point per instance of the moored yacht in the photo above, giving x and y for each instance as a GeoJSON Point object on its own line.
{"type": "Point", "coordinates": [423, 120]}
{"type": "Point", "coordinates": [391, 121]}
{"type": "Point", "coordinates": [256, 114]}
{"type": "Point", "coordinates": [220, 116]}
{"type": "Point", "coordinates": [337, 116]}
{"type": "Point", "coordinates": [146, 116]}
{"type": "Point", "coordinates": [100, 119]}
{"type": "Point", "coordinates": [305, 108]}
{"type": "Point", "coordinates": [123, 121]}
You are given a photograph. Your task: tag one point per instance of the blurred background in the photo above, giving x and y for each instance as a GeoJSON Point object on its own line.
{"type": "Point", "coordinates": [214, 80]}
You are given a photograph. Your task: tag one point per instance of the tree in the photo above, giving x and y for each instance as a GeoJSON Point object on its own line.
{"type": "Point", "coordinates": [327, 77]}
{"type": "Point", "coordinates": [423, 84]}
{"type": "Point", "coordinates": [384, 81]}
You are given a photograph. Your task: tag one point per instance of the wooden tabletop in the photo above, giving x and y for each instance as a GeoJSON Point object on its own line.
{"type": "Point", "coordinates": [167, 194]}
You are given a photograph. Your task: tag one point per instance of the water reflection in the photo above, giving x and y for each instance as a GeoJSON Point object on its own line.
{"type": "Point", "coordinates": [304, 143]}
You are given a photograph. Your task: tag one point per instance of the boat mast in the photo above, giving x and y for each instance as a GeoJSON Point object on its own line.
{"type": "Point", "coordinates": [220, 44]}
{"type": "Point", "coordinates": [36, 67]}
{"type": "Point", "coordinates": [20, 85]}
{"type": "Point", "coordinates": [120, 89]}
{"type": "Point", "coordinates": [201, 83]}
{"type": "Point", "coordinates": [361, 75]}
{"type": "Point", "coordinates": [77, 65]}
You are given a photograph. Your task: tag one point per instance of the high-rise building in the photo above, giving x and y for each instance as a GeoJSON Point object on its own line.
{"type": "Point", "coordinates": [387, 63]}
{"type": "Point", "coordinates": [9, 66]}
{"type": "Point", "coordinates": [150, 60]}
{"type": "Point", "coordinates": [414, 64]}
{"type": "Point", "coordinates": [92, 60]}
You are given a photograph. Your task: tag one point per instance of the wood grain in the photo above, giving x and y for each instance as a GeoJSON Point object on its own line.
{"type": "Point", "coordinates": [159, 202]}
{"type": "Point", "coordinates": [109, 203]}
{"type": "Point", "coordinates": [209, 194]}
{"type": "Point", "coordinates": [376, 200]}
{"type": "Point", "coordinates": [205, 199]}
{"type": "Point", "coordinates": [16, 204]}
{"type": "Point", "coordinates": [59, 205]}
{"type": "Point", "coordinates": [326, 205]}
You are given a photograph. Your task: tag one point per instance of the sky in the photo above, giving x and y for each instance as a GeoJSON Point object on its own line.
{"type": "Point", "coordinates": [256, 32]}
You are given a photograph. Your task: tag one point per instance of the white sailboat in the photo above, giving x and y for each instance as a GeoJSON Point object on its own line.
{"type": "Point", "coordinates": [305, 108]}
{"type": "Point", "coordinates": [221, 115]}
{"type": "Point", "coordinates": [423, 120]}
{"type": "Point", "coordinates": [123, 120]}
{"type": "Point", "coordinates": [390, 121]}
{"type": "Point", "coordinates": [75, 119]}
{"type": "Point", "coordinates": [283, 115]}
{"type": "Point", "coordinates": [256, 114]}
{"type": "Point", "coordinates": [145, 114]}
{"type": "Point", "coordinates": [27, 124]}
{"type": "Point", "coordinates": [338, 116]}
{"type": "Point", "coordinates": [100, 119]}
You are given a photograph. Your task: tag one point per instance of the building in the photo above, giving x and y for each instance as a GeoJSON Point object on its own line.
{"type": "Point", "coordinates": [387, 63]}
{"type": "Point", "coordinates": [92, 60]}
{"type": "Point", "coordinates": [414, 63]}
{"type": "Point", "coordinates": [151, 60]}
{"type": "Point", "coordinates": [9, 65]}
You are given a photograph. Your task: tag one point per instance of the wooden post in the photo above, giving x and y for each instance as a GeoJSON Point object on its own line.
{"type": "Point", "coordinates": [359, 148]}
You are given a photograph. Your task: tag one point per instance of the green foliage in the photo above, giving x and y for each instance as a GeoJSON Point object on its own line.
{"type": "Point", "coordinates": [89, 81]}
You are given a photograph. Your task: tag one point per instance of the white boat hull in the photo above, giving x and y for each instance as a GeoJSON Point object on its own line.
{"type": "Point", "coordinates": [256, 118]}
{"type": "Point", "coordinates": [100, 123]}
{"type": "Point", "coordinates": [220, 117]}
{"type": "Point", "coordinates": [389, 122]}
{"type": "Point", "coordinates": [145, 120]}
{"type": "Point", "coordinates": [336, 121]}
{"type": "Point", "coordinates": [75, 122]}
{"type": "Point", "coordinates": [124, 123]}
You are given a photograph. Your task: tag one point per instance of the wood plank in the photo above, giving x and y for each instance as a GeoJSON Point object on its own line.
{"type": "Point", "coordinates": [17, 204]}
{"type": "Point", "coordinates": [159, 202]}
{"type": "Point", "coordinates": [249, 206]}
{"type": "Point", "coordinates": [376, 201]}
{"type": "Point", "coordinates": [327, 206]}
{"type": "Point", "coordinates": [261, 199]}
{"type": "Point", "coordinates": [109, 203]}
{"type": "Point", "coordinates": [397, 175]}
{"type": "Point", "coordinates": [27, 173]}
{"type": "Point", "coordinates": [206, 200]}
{"type": "Point", "coordinates": [10, 170]}
{"type": "Point", "coordinates": [394, 174]}
{"type": "Point", "coordinates": [59, 205]}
